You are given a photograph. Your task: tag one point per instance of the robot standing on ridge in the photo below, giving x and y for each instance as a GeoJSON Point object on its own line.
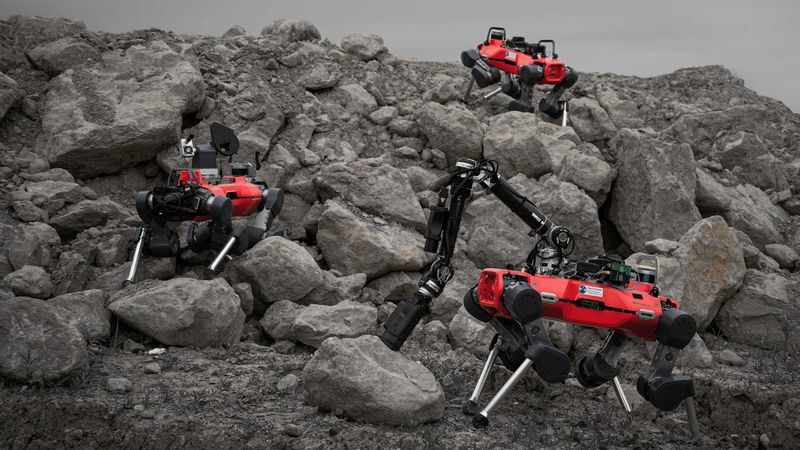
{"type": "Point", "coordinates": [519, 66]}
{"type": "Point", "coordinates": [601, 293]}
{"type": "Point", "coordinates": [202, 194]}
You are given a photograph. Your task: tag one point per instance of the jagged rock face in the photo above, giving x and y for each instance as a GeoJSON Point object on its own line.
{"type": "Point", "coordinates": [292, 30]}
{"type": "Point", "coordinates": [30, 281]}
{"type": "Point", "coordinates": [100, 118]}
{"type": "Point", "coordinates": [467, 332]}
{"type": "Point", "coordinates": [56, 57]}
{"type": "Point", "coordinates": [38, 341]}
{"type": "Point", "coordinates": [354, 243]}
{"type": "Point", "coordinates": [590, 120]}
{"type": "Point", "coordinates": [453, 130]}
{"type": "Point", "coordinates": [363, 380]}
{"type": "Point", "coordinates": [9, 93]}
{"type": "Point", "coordinates": [763, 313]}
{"type": "Point", "coordinates": [182, 311]}
{"type": "Point", "coordinates": [514, 141]}
{"type": "Point", "coordinates": [313, 324]}
{"type": "Point", "coordinates": [653, 195]}
{"type": "Point", "coordinates": [366, 47]}
{"type": "Point", "coordinates": [91, 316]}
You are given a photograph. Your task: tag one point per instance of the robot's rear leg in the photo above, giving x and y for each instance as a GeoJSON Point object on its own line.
{"type": "Point", "coordinates": [156, 240]}
{"type": "Point", "coordinates": [662, 389]}
{"type": "Point", "coordinates": [138, 237]}
{"type": "Point", "coordinates": [471, 406]}
{"type": "Point", "coordinates": [600, 367]}
{"type": "Point", "coordinates": [551, 104]}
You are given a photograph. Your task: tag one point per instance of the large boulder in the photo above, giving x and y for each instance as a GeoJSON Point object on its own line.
{"type": "Point", "coordinates": [291, 30]}
{"type": "Point", "coordinates": [705, 270]}
{"type": "Point", "coordinates": [751, 211]}
{"type": "Point", "coordinates": [313, 324]}
{"type": "Point", "coordinates": [748, 155]}
{"type": "Point", "coordinates": [30, 281]}
{"type": "Point", "coordinates": [590, 120]}
{"type": "Point", "coordinates": [653, 196]}
{"type": "Point", "coordinates": [588, 171]}
{"type": "Point", "coordinates": [320, 76]}
{"type": "Point", "coordinates": [763, 313]}
{"type": "Point", "coordinates": [365, 47]}
{"type": "Point", "coordinates": [86, 214]}
{"type": "Point", "coordinates": [34, 244]}
{"type": "Point", "coordinates": [514, 141]}
{"type": "Point", "coordinates": [363, 380]}
{"type": "Point", "coordinates": [56, 57]}
{"type": "Point", "coordinates": [354, 99]}
{"type": "Point", "coordinates": [182, 311]}
{"type": "Point", "coordinates": [375, 187]}
{"type": "Point", "coordinates": [31, 31]}
{"type": "Point", "coordinates": [38, 341]}
{"type": "Point", "coordinates": [354, 243]}
{"type": "Point", "coordinates": [102, 117]}
{"type": "Point", "coordinates": [451, 129]}
{"type": "Point", "coordinates": [89, 309]}
{"type": "Point", "coordinates": [277, 269]}
{"type": "Point", "coordinates": [468, 332]}
{"type": "Point", "coordinates": [10, 93]}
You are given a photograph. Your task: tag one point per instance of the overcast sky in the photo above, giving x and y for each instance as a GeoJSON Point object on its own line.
{"type": "Point", "coordinates": [757, 40]}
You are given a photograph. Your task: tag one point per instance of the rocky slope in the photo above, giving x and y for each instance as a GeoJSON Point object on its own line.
{"type": "Point", "coordinates": [278, 352]}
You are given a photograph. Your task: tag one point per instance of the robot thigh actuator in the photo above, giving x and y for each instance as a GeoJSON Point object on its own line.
{"type": "Point", "coordinates": [210, 200]}
{"type": "Point", "coordinates": [602, 293]}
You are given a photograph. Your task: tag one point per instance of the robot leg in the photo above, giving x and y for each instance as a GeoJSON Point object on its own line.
{"type": "Point", "coordinates": [600, 367]}
{"type": "Point", "coordinates": [551, 104]}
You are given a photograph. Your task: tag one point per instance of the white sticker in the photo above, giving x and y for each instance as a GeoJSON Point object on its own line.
{"type": "Point", "coordinates": [592, 291]}
{"type": "Point", "coordinates": [511, 56]}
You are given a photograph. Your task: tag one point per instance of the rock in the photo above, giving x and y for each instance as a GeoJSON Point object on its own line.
{"type": "Point", "coordinates": [149, 269]}
{"type": "Point", "coordinates": [661, 246]}
{"type": "Point", "coordinates": [513, 140]}
{"type": "Point", "coordinates": [748, 152]}
{"type": "Point", "coordinates": [293, 430]}
{"type": "Point", "coordinates": [246, 298]}
{"type": "Point", "coordinates": [375, 187]}
{"type": "Point", "coordinates": [624, 113]}
{"type": "Point", "coordinates": [182, 311]}
{"type": "Point", "coordinates": [288, 383]}
{"type": "Point", "coordinates": [761, 313]}
{"type": "Point", "coordinates": [561, 334]}
{"type": "Point", "coordinates": [730, 358]}
{"type": "Point", "coordinates": [336, 289]}
{"type": "Point", "coordinates": [695, 354]}
{"type": "Point", "coordinates": [404, 127]}
{"type": "Point", "coordinates": [78, 217]}
{"type": "Point", "coordinates": [277, 269]}
{"type": "Point", "coordinates": [93, 319]}
{"type": "Point", "coordinates": [785, 255]}
{"type": "Point", "coordinates": [119, 385]}
{"type": "Point", "coordinates": [38, 342]}
{"type": "Point", "coordinates": [153, 368]}
{"type": "Point", "coordinates": [92, 121]}
{"type": "Point", "coordinates": [383, 115]}
{"type": "Point", "coordinates": [71, 273]}
{"type": "Point", "coordinates": [653, 196]}
{"type": "Point", "coordinates": [752, 212]}
{"type": "Point", "coordinates": [395, 286]}
{"type": "Point", "coordinates": [58, 56]}
{"type": "Point", "coordinates": [363, 380]}
{"type": "Point", "coordinates": [10, 93]}
{"type": "Point", "coordinates": [31, 31]}
{"type": "Point", "coordinates": [35, 244]}
{"type": "Point", "coordinates": [588, 172]}
{"type": "Point", "coordinates": [710, 196]}
{"type": "Point", "coordinates": [355, 99]}
{"type": "Point", "coordinates": [292, 30]}
{"type": "Point", "coordinates": [352, 243]}
{"type": "Point", "coordinates": [365, 47]}
{"type": "Point", "coordinates": [451, 129]}
{"type": "Point", "coordinates": [279, 319]}
{"type": "Point", "coordinates": [320, 76]}
{"type": "Point", "coordinates": [316, 323]}
{"type": "Point", "coordinates": [30, 281]}
{"type": "Point", "coordinates": [707, 269]}
{"type": "Point", "coordinates": [467, 332]}
{"type": "Point", "coordinates": [446, 306]}
{"type": "Point", "coordinates": [26, 211]}
{"type": "Point", "coordinates": [234, 31]}
{"type": "Point", "coordinates": [590, 120]}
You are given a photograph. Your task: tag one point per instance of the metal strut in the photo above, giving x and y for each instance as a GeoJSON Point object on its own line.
{"type": "Point", "coordinates": [137, 254]}
{"type": "Point", "coordinates": [471, 405]}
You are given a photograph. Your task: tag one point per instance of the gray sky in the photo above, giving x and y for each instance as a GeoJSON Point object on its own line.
{"type": "Point", "coordinates": [757, 40]}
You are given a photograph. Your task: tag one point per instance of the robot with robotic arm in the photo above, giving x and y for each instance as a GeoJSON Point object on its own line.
{"type": "Point", "coordinates": [519, 66]}
{"type": "Point", "coordinates": [202, 194]}
{"type": "Point", "coordinates": [601, 293]}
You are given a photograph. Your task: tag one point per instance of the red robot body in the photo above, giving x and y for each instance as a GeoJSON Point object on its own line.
{"type": "Point", "coordinates": [510, 61]}
{"type": "Point", "coordinates": [245, 196]}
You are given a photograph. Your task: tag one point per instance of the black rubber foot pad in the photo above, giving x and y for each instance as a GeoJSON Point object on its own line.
{"type": "Point", "coordinates": [470, 408]}
{"type": "Point", "coordinates": [480, 421]}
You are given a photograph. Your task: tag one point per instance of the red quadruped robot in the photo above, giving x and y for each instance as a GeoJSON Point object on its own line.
{"type": "Point", "coordinates": [519, 66]}
{"type": "Point", "coordinates": [602, 292]}
{"type": "Point", "coordinates": [202, 194]}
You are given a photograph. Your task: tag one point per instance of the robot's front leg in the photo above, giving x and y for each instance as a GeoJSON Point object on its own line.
{"type": "Point", "coordinates": [155, 240]}
{"type": "Point", "coordinates": [662, 389]}
{"type": "Point", "coordinates": [482, 73]}
{"type": "Point", "coordinates": [551, 104]}
{"type": "Point", "coordinates": [599, 368]}
{"type": "Point", "coordinates": [471, 406]}
{"type": "Point", "coordinates": [138, 237]}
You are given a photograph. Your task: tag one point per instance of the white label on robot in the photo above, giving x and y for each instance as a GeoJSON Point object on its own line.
{"type": "Point", "coordinates": [512, 56]}
{"type": "Point", "coordinates": [591, 291]}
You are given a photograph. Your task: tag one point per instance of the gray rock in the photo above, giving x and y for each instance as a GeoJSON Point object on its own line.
{"type": "Point", "coordinates": [514, 141]}
{"type": "Point", "coordinates": [58, 56]}
{"type": "Point", "coordinates": [761, 313]}
{"type": "Point", "coordinates": [661, 246]}
{"type": "Point", "coordinates": [383, 115]}
{"type": "Point", "coordinates": [92, 121]}
{"type": "Point", "coordinates": [451, 129]}
{"type": "Point", "coordinates": [35, 244]}
{"type": "Point", "coordinates": [246, 297]}
{"type": "Point", "coordinates": [396, 286]}
{"type": "Point", "coordinates": [292, 30]}
{"type": "Point", "coordinates": [316, 323]}
{"type": "Point", "coordinates": [234, 31]}
{"type": "Point", "coordinates": [783, 254]}
{"type": "Point", "coordinates": [467, 332]}
{"type": "Point", "coordinates": [38, 341]}
{"type": "Point", "coordinates": [404, 127]}
{"type": "Point", "coordinates": [365, 47]}
{"type": "Point", "coordinates": [653, 196]}
{"type": "Point", "coordinates": [287, 383]}
{"type": "Point", "coordinates": [182, 311]}
{"type": "Point", "coordinates": [748, 152]}
{"type": "Point", "coordinates": [153, 368]}
{"type": "Point", "coordinates": [86, 214]}
{"type": "Point", "coordinates": [92, 317]}
{"type": "Point", "coordinates": [363, 380]}
{"type": "Point", "coordinates": [10, 93]}
{"type": "Point", "coordinates": [277, 269]}
{"type": "Point", "coordinates": [695, 354]}
{"type": "Point", "coordinates": [71, 273]}
{"type": "Point", "coordinates": [590, 121]}
{"type": "Point", "coordinates": [624, 113]}
{"type": "Point", "coordinates": [30, 281]}
{"type": "Point", "coordinates": [355, 99]}
{"type": "Point", "coordinates": [320, 76]}
{"type": "Point", "coordinates": [352, 243]}
{"type": "Point", "coordinates": [278, 320]}
{"type": "Point", "coordinates": [375, 187]}
{"type": "Point", "coordinates": [31, 31]}
{"type": "Point", "coordinates": [730, 358]}
{"type": "Point", "coordinates": [26, 211]}
{"type": "Point", "coordinates": [752, 212]}
{"type": "Point", "coordinates": [710, 196]}
{"type": "Point", "coordinates": [119, 385]}
{"type": "Point", "coordinates": [588, 172]}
